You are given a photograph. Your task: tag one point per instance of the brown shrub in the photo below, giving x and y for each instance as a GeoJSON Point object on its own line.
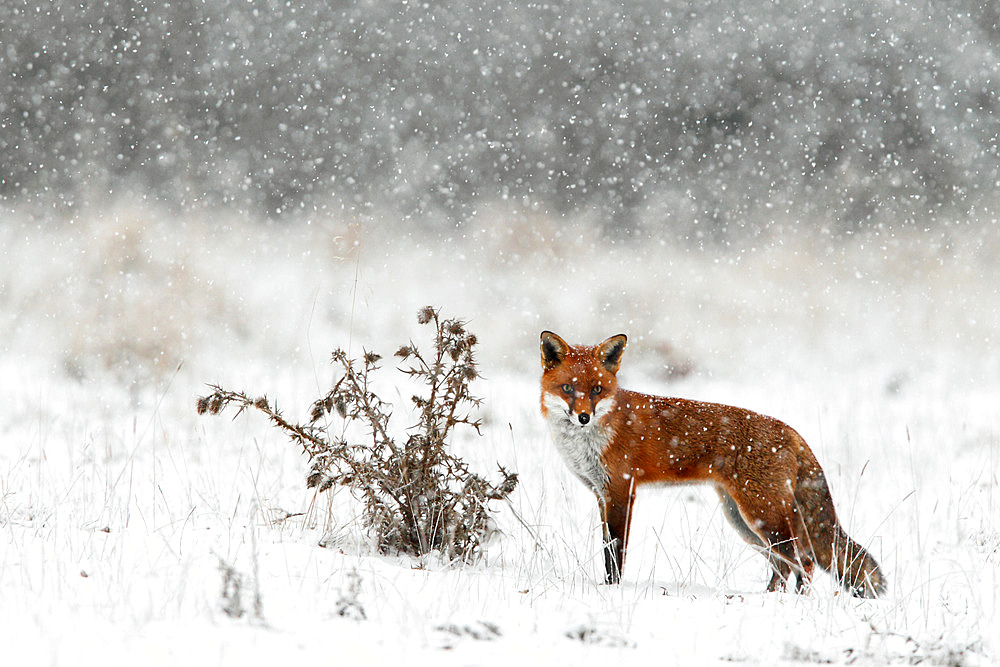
{"type": "Point", "coordinates": [417, 497]}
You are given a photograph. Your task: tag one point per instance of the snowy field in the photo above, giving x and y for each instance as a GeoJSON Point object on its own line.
{"type": "Point", "coordinates": [133, 531]}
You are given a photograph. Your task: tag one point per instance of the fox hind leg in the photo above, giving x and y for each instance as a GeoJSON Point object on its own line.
{"type": "Point", "coordinates": [732, 513]}
{"type": "Point", "coordinates": [775, 527]}
{"type": "Point", "coordinates": [781, 571]}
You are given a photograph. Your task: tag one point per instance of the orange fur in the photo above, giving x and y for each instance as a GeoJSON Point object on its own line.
{"type": "Point", "coordinates": [772, 487]}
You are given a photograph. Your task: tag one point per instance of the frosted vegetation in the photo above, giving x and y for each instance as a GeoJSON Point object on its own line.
{"type": "Point", "coordinates": [786, 206]}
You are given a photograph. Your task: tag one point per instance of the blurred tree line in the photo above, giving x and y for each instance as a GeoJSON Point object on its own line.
{"type": "Point", "coordinates": [698, 115]}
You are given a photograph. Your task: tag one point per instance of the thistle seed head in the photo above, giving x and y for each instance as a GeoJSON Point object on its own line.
{"type": "Point", "coordinates": [426, 314]}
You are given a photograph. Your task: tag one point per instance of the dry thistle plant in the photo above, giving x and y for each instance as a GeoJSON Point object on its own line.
{"type": "Point", "coordinates": [416, 496]}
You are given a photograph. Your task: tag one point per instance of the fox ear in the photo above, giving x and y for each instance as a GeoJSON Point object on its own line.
{"type": "Point", "coordinates": [554, 350]}
{"type": "Point", "coordinates": [610, 352]}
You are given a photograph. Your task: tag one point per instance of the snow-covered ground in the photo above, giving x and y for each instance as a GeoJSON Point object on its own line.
{"type": "Point", "coordinates": [124, 515]}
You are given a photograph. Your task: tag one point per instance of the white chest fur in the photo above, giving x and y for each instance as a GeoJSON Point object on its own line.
{"type": "Point", "coordinates": [581, 446]}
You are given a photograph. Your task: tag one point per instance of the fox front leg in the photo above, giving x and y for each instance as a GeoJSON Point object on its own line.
{"type": "Point", "coordinates": [616, 515]}
{"type": "Point", "coordinates": [612, 546]}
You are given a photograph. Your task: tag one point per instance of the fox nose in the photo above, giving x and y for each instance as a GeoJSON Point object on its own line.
{"type": "Point", "coordinates": [583, 417]}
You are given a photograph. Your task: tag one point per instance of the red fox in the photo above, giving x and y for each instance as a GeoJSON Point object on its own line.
{"type": "Point", "coordinates": [772, 488]}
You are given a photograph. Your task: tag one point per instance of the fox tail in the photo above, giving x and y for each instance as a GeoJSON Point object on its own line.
{"type": "Point", "coordinates": [833, 549]}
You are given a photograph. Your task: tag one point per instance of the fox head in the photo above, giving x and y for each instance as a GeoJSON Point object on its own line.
{"type": "Point", "coordinates": [579, 381]}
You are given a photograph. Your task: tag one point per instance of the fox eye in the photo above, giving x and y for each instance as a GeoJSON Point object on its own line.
{"type": "Point", "coordinates": [567, 388]}
{"type": "Point", "coordinates": [596, 390]}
